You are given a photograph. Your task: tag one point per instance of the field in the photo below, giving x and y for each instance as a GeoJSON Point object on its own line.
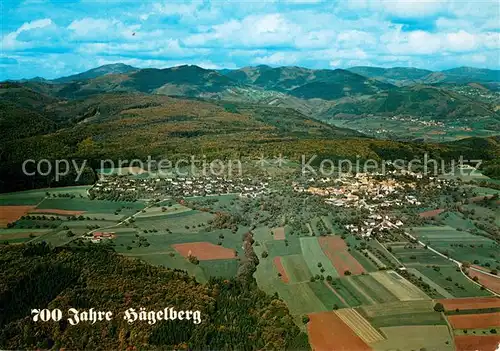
{"type": "Point", "coordinates": [399, 286]}
{"type": "Point", "coordinates": [475, 321]}
{"type": "Point", "coordinates": [460, 245]}
{"type": "Point", "coordinates": [320, 329]}
{"type": "Point", "coordinates": [373, 288]}
{"type": "Point", "coordinates": [452, 281]}
{"type": "Point", "coordinates": [402, 313]}
{"type": "Point", "coordinates": [280, 247]}
{"type": "Point", "coordinates": [300, 298]}
{"type": "Point", "coordinates": [9, 214]}
{"type": "Point", "coordinates": [33, 197]}
{"type": "Point", "coordinates": [492, 283]}
{"type": "Point", "coordinates": [416, 254]}
{"type": "Point", "coordinates": [359, 325]}
{"type": "Point", "coordinates": [204, 251]}
{"type": "Point", "coordinates": [281, 269]}
{"type": "Point", "coordinates": [181, 222]}
{"type": "Point", "coordinates": [336, 250]}
{"type": "Point", "coordinates": [163, 211]}
{"type": "Point", "coordinates": [475, 343]}
{"type": "Point", "coordinates": [417, 337]}
{"type": "Point", "coordinates": [279, 233]}
{"type": "Point", "coordinates": [439, 289]}
{"type": "Point", "coordinates": [315, 258]}
{"type": "Point", "coordinates": [328, 295]}
{"type": "Point", "coordinates": [78, 204]}
{"type": "Point", "coordinates": [56, 212]}
{"type": "Point", "coordinates": [400, 307]}
{"type": "Point", "coordinates": [473, 303]}
{"type": "Point", "coordinates": [296, 268]}
{"type": "Point", "coordinates": [431, 213]}
{"type": "Point", "coordinates": [18, 234]}
{"type": "Point", "coordinates": [401, 319]}
{"type": "Point", "coordinates": [351, 293]}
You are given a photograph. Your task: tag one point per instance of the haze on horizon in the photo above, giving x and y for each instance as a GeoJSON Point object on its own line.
{"type": "Point", "coordinates": [54, 38]}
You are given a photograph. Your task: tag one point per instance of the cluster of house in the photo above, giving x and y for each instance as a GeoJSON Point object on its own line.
{"type": "Point", "coordinates": [476, 92]}
{"type": "Point", "coordinates": [96, 237]}
{"type": "Point", "coordinates": [182, 186]}
{"type": "Point", "coordinates": [362, 191]}
{"type": "Point", "coordinates": [428, 123]}
{"type": "Point", "coordinates": [375, 223]}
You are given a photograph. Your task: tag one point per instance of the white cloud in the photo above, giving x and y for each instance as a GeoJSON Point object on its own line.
{"type": "Point", "coordinates": [38, 24]}
{"type": "Point", "coordinates": [252, 31]}
{"type": "Point", "coordinates": [102, 29]}
{"type": "Point", "coordinates": [278, 58]}
{"type": "Point", "coordinates": [10, 41]}
{"type": "Point", "coordinates": [412, 43]}
{"type": "Point", "coordinates": [460, 41]}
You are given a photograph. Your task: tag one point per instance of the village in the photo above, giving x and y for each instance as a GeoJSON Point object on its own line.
{"type": "Point", "coordinates": [372, 193]}
{"type": "Point", "coordinates": [131, 189]}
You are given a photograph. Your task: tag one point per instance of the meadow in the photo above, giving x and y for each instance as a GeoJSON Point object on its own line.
{"type": "Point", "coordinates": [460, 245]}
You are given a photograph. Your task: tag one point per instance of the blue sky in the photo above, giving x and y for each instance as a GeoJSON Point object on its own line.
{"type": "Point", "coordinates": [53, 38]}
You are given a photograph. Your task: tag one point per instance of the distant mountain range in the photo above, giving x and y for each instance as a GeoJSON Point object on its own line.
{"type": "Point", "coordinates": [116, 68]}
{"type": "Point", "coordinates": [408, 76]}
{"type": "Point", "coordinates": [318, 93]}
{"type": "Point", "coordinates": [290, 77]}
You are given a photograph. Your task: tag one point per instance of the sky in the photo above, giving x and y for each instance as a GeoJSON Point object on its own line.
{"type": "Point", "coordinates": [54, 38]}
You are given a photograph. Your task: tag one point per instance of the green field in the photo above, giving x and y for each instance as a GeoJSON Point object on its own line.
{"type": "Point", "coordinates": [465, 287]}
{"type": "Point", "coordinates": [282, 248]}
{"type": "Point", "coordinates": [415, 337]}
{"type": "Point", "coordinates": [301, 299]}
{"type": "Point", "coordinates": [296, 268]}
{"type": "Point", "coordinates": [414, 253]}
{"type": "Point", "coordinates": [160, 242]}
{"type": "Point", "coordinates": [33, 197]}
{"type": "Point", "coordinates": [402, 319]}
{"type": "Point", "coordinates": [373, 288]}
{"type": "Point", "coordinates": [350, 292]}
{"type": "Point", "coordinates": [314, 256]}
{"type": "Point", "coordinates": [399, 307]}
{"type": "Point", "coordinates": [59, 237]}
{"type": "Point", "coordinates": [326, 295]}
{"type": "Point", "coordinates": [460, 245]}
{"type": "Point", "coordinates": [103, 206]}
{"type": "Point", "coordinates": [439, 289]}
{"type": "Point", "coordinates": [367, 264]}
{"type": "Point", "coordinates": [182, 222]}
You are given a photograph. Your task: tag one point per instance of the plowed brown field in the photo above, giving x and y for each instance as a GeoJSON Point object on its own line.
{"type": "Point", "coordinates": [328, 332]}
{"type": "Point", "coordinates": [57, 212]}
{"type": "Point", "coordinates": [471, 303]}
{"type": "Point", "coordinates": [279, 233]}
{"type": "Point", "coordinates": [431, 213]}
{"type": "Point", "coordinates": [281, 269]}
{"type": "Point", "coordinates": [10, 214]}
{"type": "Point", "coordinates": [475, 321]}
{"type": "Point", "coordinates": [336, 251]}
{"type": "Point", "coordinates": [488, 281]}
{"type": "Point", "coordinates": [477, 343]}
{"type": "Point", "coordinates": [204, 251]}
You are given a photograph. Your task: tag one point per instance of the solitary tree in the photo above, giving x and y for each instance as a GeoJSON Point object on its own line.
{"type": "Point", "coordinates": [438, 307]}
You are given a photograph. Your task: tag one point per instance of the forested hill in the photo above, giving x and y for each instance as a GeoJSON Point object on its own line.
{"type": "Point", "coordinates": [235, 314]}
